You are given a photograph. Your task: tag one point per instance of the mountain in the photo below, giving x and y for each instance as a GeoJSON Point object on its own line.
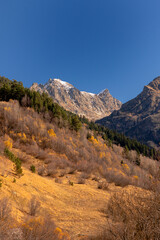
{"type": "Point", "coordinates": [93, 106]}
{"type": "Point", "coordinates": [140, 117]}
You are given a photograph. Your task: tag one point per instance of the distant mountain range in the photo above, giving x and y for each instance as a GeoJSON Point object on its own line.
{"type": "Point", "coordinates": [140, 117]}
{"type": "Point", "coordinates": [93, 106]}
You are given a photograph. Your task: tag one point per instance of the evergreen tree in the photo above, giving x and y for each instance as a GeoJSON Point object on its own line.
{"type": "Point", "coordinates": [125, 152]}
{"type": "Point", "coordinates": [137, 160]}
{"type": "Point", "coordinates": [75, 123]}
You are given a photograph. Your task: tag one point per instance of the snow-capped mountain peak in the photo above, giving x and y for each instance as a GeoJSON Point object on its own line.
{"type": "Point", "coordinates": [93, 106]}
{"type": "Point", "coordinates": [59, 83]}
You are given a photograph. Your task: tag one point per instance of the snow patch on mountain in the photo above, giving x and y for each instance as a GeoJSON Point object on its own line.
{"type": "Point", "coordinates": [92, 94]}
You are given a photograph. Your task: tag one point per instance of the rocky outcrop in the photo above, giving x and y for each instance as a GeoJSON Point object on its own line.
{"type": "Point", "coordinates": [140, 117]}
{"type": "Point", "coordinates": [93, 106]}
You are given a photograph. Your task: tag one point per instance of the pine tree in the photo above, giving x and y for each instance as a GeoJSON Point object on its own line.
{"type": "Point", "coordinates": [75, 123]}
{"type": "Point", "coordinates": [137, 159]}
{"type": "Point", "coordinates": [125, 152]}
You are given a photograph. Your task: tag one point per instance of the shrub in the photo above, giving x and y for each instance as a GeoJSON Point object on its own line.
{"type": "Point", "coordinates": [58, 180]}
{"type": "Point", "coordinates": [75, 123]}
{"type": "Point", "coordinates": [102, 236]}
{"type": "Point", "coordinates": [0, 182]}
{"type": "Point", "coordinates": [34, 206]}
{"type": "Point", "coordinates": [103, 185]}
{"type": "Point", "coordinates": [84, 175]}
{"type": "Point", "coordinates": [134, 217]}
{"type": "Point", "coordinates": [33, 168]}
{"type": "Point", "coordinates": [42, 228]}
{"type": "Point", "coordinates": [51, 133]}
{"type": "Point", "coordinates": [38, 228]}
{"type": "Point", "coordinates": [81, 180]}
{"type": "Point", "coordinates": [8, 142]}
{"type": "Point", "coordinates": [95, 179]}
{"type": "Point", "coordinates": [51, 170]}
{"type": "Point", "coordinates": [14, 180]}
{"type": "Point", "coordinates": [41, 171]}
{"type": "Point", "coordinates": [138, 160]}
{"type": "Point", "coordinates": [70, 183]}
{"type": "Point", "coordinates": [15, 160]}
{"type": "Point", "coordinates": [5, 209]}
{"type": "Point", "coordinates": [72, 170]}
{"type": "Point", "coordinates": [126, 153]}
{"type": "Point", "coordinates": [118, 177]}
{"type": "Point", "coordinates": [89, 135]}
{"type": "Point", "coordinates": [138, 215]}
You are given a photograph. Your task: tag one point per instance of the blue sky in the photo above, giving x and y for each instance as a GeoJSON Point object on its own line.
{"type": "Point", "coordinates": [93, 44]}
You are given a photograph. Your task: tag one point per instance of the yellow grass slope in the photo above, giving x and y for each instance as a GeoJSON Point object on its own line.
{"type": "Point", "coordinates": [76, 209]}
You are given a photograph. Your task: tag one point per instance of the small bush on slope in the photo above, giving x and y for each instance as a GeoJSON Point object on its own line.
{"type": "Point", "coordinates": [34, 206]}
{"type": "Point", "coordinates": [5, 217]}
{"type": "Point", "coordinates": [33, 227]}
{"type": "Point", "coordinates": [15, 160]}
{"type": "Point", "coordinates": [42, 228]}
{"type": "Point", "coordinates": [32, 168]}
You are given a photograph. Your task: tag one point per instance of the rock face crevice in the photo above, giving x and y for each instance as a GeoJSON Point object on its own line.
{"type": "Point", "coordinates": [93, 106]}
{"type": "Point", "coordinates": [140, 117]}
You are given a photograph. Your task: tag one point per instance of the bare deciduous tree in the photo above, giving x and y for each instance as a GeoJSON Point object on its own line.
{"type": "Point", "coordinates": [34, 206]}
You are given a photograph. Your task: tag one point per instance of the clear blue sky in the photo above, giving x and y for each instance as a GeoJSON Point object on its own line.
{"type": "Point", "coordinates": [93, 44]}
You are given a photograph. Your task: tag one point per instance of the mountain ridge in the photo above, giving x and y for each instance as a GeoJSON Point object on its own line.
{"type": "Point", "coordinates": [91, 105]}
{"type": "Point", "coordinates": [138, 118]}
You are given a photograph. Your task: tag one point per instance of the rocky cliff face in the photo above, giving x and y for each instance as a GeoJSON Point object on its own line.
{"type": "Point", "coordinates": [93, 106]}
{"type": "Point", "coordinates": [140, 117]}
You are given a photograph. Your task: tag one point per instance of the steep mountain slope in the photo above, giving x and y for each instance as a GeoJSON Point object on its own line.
{"type": "Point", "coordinates": [93, 106]}
{"type": "Point", "coordinates": [139, 118]}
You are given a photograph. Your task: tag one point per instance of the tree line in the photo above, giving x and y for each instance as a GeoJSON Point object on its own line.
{"type": "Point", "coordinates": [111, 136]}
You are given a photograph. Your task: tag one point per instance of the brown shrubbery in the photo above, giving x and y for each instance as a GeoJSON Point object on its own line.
{"type": "Point", "coordinates": [134, 217]}
{"type": "Point", "coordinates": [64, 149]}
{"type": "Point", "coordinates": [5, 209]}
{"type": "Point", "coordinates": [34, 206]}
{"type": "Point", "coordinates": [33, 226]}
{"type": "Point", "coordinates": [5, 217]}
{"type": "Point", "coordinates": [139, 216]}
{"type": "Point", "coordinates": [38, 228]}
{"type": "Point", "coordinates": [103, 185]}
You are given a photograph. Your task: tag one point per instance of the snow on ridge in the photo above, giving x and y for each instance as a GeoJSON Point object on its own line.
{"type": "Point", "coordinates": [65, 84]}
{"type": "Point", "coordinates": [92, 94]}
{"type": "Point", "coordinates": [59, 83]}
